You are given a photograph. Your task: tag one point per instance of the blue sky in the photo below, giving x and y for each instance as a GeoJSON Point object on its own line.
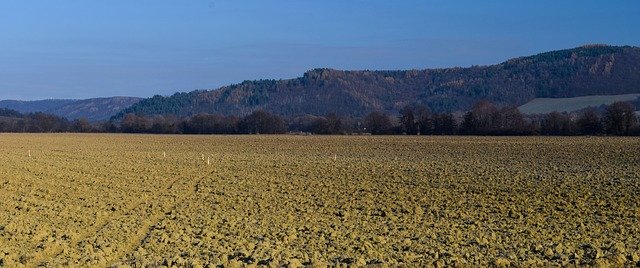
{"type": "Point", "coordinates": [83, 49]}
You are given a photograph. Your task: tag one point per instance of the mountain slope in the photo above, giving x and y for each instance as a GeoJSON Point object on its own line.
{"type": "Point", "coordinates": [95, 109]}
{"type": "Point", "coordinates": [34, 106]}
{"type": "Point", "coordinates": [582, 71]}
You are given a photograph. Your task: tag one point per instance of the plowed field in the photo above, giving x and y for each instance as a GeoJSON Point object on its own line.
{"type": "Point", "coordinates": [205, 201]}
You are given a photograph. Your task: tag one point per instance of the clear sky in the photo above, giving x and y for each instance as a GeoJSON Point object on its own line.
{"type": "Point", "coordinates": [83, 49]}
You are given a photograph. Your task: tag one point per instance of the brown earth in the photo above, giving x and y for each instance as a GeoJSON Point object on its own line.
{"type": "Point", "coordinates": [118, 200]}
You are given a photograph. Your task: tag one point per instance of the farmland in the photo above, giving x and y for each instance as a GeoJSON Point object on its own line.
{"type": "Point", "coordinates": [548, 105]}
{"type": "Point", "coordinates": [204, 201]}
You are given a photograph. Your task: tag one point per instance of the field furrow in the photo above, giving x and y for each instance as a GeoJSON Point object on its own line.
{"type": "Point", "coordinates": [198, 201]}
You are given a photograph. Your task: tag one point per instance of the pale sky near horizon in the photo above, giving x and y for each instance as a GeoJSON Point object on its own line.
{"type": "Point", "coordinates": [84, 49]}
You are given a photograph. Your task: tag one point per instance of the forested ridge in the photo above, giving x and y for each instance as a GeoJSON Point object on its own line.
{"type": "Point", "coordinates": [479, 100]}
{"type": "Point", "coordinates": [582, 71]}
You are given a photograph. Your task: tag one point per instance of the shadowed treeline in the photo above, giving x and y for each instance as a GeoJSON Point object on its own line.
{"type": "Point", "coordinates": [484, 118]}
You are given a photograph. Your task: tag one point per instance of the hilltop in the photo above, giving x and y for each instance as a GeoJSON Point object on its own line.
{"type": "Point", "coordinates": [582, 71]}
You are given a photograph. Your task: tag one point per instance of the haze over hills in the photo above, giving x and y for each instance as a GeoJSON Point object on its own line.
{"type": "Point", "coordinates": [34, 106]}
{"type": "Point", "coordinates": [95, 109]}
{"type": "Point", "coordinates": [582, 71]}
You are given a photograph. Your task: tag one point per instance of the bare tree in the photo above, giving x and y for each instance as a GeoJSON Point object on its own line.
{"type": "Point", "coordinates": [589, 122]}
{"type": "Point", "coordinates": [620, 118]}
{"type": "Point", "coordinates": [378, 123]}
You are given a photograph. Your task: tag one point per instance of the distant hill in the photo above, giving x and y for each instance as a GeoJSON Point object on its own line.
{"type": "Point", "coordinates": [34, 106]}
{"type": "Point", "coordinates": [96, 109]}
{"type": "Point", "coordinates": [547, 105]}
{"type": "Point", "coordinates": [582, 71]}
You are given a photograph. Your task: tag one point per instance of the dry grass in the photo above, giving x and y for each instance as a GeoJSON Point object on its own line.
{"type": "Point", "coordinates": [105, 200]}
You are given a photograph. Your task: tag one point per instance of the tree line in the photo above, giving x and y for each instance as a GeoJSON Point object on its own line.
{"type": "Point", "coordinates": [484, 118]}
